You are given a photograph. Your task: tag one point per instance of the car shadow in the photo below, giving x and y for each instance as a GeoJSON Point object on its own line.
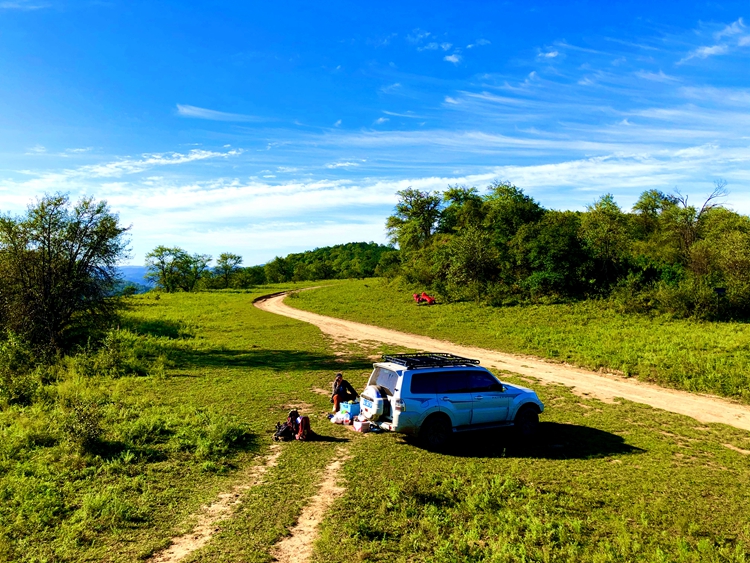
{"type": "Point", "coordinates": [553, 440]}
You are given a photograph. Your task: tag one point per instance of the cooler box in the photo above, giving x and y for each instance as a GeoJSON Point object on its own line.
{"type": "Point", "coordinates": [362, 425]}
{"type": "Point", "coordinates": [351, 408]}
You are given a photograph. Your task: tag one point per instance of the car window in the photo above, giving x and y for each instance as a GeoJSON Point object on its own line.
{"type": "Point", "coordinates": [385, 378]}
{"type": "Point", "coordinates": [423, 384]}
{"type": "Point", "coordinates": [452, 382]}
{"type": "Point", "coordinates": [482, 382]}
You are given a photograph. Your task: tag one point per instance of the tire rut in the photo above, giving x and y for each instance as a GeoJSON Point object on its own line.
{"type": "Point", "coordinates": [210, 514]}
{"type": "Point", "coordinates": [298, 546]}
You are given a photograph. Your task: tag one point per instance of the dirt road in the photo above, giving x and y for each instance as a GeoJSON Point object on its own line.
{"type": "Point", "coordinates": [605, 387]}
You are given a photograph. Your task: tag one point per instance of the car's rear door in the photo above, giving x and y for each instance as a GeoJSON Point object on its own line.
{"type": "Point", "coordinates": [454, 396]}
{"type": "Point", "coordinates": [489, 402]}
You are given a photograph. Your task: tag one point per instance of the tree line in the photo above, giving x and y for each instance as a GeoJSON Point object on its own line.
{"type": "Point", "coordinates": [173, 269]}
{"type": "Point", "coordinates": [503, 247]}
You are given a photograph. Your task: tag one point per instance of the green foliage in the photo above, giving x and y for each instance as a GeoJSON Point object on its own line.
{"type": "Point", "coordinates": [58, 271]}
{"type": "Point", "coordinates": [502, 247]}
{"type": "Point", "coordinates": [173, 269]}
{"type": "Point", "coordinates": [18, 376]}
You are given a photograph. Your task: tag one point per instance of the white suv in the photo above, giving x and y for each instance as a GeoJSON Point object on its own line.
{"type": "Point", "coordinates": [432, 395]}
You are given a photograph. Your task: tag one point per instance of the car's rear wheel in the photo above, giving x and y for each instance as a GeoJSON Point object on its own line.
{"type": "Point", "coordinates": [526, 422]}
{"type": "Point", "coordinates": [435, 432]}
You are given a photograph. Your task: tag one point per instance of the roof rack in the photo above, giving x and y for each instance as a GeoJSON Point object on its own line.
{"type": "Point", "coordinates": [428, 360]}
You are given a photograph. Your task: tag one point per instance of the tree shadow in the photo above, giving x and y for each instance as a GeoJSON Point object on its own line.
{"type": "Point", "coordinates": [279, 360]}
{"type": "Point", "coordinates": [174, 330]}
{"type": "Point", "coordinates": [553, 440]}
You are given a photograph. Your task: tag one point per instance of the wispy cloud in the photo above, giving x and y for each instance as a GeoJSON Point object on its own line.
{"type": "Point", "coordinates": [337, 124]}
{"type": "Point", "coordinates": [417, 36]}
{"type": "Point", "coordinates": [381, 120]}
{"type": "Point", "coordinates": [734, 28]}
{"type": "Point", "coordinates": [656, 76]}
{"type": "Point", "coordinates": [391, 88]}
{"type": "Point", "coordinates": [407, 114]}
{"type": "Point", "coordinates": [548, 55]}
{"type": "Point", "coordinates": [36, 149]}
{"type": "Point", "coordinates": [478, 43]}
{"type": "Point", "coordinates": [23, 5]}
{"type": "Point", "coordinates": [454, 58]}
{"type": "Point", "coordinates": [429, 47]}
{"type": "Point", "coordinates": [213, 115]}
{"type": "Point", "coordinates": [345, 164]}
{"type": "Point", "coordinates": [705, 52]}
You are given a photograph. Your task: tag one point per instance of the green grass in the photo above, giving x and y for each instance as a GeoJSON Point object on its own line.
{"type": "Point", "coordinates": [706, 357]}
{"type": "Point", "coordinates": [603, 482]}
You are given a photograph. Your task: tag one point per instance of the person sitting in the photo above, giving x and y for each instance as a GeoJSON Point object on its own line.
{"type": "Point", "coordinates": [342, 392]}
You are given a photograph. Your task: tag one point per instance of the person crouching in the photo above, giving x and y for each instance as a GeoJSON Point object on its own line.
{"type": "Point", "coordinates": [342, 392]}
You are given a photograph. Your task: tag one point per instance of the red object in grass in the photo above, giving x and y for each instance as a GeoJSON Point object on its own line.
{"type": "Point", "coordinates": [424, 298]}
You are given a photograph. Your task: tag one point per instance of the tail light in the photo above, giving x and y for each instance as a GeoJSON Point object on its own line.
{"type": "Point", "coordinates": [400, 406]}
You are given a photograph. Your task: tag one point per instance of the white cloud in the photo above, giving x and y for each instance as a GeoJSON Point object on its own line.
{"type": "Point", "coordinates": [337, 124]}
{"type": "Point", "coordinates": [408, 114]}
{"type": "Point", "coordinates": [548, 55]}
{"type": "Point", "coordinates": [455, 59]}
{"type": "Point", "coordinates": [478, 43]}
{"type": "Point", "coordinates": [417, 36]}
{"type": "Point", "coordinates": [744, 41]}
{"type": "Point", "coordinates": [453, 101]}
{"type": "Point", "coordinates": [344, 164]}
{"type": "Point", "coordinates": [391, 88]}
{"type": "Point", "coordinates": [656, 76]}
{"type": "Point", "coordinates": [213, 115]}
{"type": "Point", "coordinates": [429, 47]}
{"type": "Point", "coordinates": [735, 28]}
{"type": "Point", "coordinates": [22, 5]}
{"type": "Point", "coordinates": [381, 120]}
{"type": "Point", "coordinates": [80, 150]}
{"type": "Point", "coordinates": [37, 149]}
{"type": "Point", "coordinates": [446, 46]}
{"type": "Point", "coordinates": [705, 52]}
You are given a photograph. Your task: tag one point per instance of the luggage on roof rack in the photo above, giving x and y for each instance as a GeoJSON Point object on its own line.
{"type": "Point", "coordinates": [428, 360]}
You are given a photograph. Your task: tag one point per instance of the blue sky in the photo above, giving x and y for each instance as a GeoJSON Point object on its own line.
{"type": "Point", "coordinates": [266, 128]}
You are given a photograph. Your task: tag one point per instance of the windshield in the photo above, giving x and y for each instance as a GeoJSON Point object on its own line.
{"type": "Point", "coordinates": [384, 378]}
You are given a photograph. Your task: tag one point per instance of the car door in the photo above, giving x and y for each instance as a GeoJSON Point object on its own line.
{"type": "Point", "coordinates": [489, 402]}
{"type": "Point", "coordinates": [454, 396]}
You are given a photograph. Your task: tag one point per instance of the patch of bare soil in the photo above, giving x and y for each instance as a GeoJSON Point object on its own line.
{"type": "Point", "coordinates": [211, 514]}
{"type": "Point", "coordinates": [603, 386]}
{"type": "Point", "coordinates": [298, 546]}
{"type": "Point", "coordinates": [736, 449]}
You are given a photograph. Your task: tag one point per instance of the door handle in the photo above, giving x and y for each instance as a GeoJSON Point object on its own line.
{"type": "Point", "coordinates": [478, 398]}
{"type": "Point", "coordinates": [447, 399]}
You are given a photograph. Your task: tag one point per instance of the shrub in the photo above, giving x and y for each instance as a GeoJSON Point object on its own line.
{"type": "Point", "coordinates": [82, 422]}
{"type": "Point", "coordinates": [19, 380]}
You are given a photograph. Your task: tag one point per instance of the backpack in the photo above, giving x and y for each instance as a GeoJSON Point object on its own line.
{"type": "Point", "coordinates": [296, 427]}
{"type": "Point", "coordinates": [283, 432]}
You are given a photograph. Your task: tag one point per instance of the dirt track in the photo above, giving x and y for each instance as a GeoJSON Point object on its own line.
{"type": "Point", "coordinates": [605, 387]}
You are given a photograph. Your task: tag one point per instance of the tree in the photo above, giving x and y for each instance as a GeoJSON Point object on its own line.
{"type": "Point", "coordinates": [171, 268]}
{"type": "Point", "coordinates": [58, 270]}
{"type": "Point", "coordinates": [163, 265]}
{"type": "Point", "coordinates": [415, 219]}
{"type": "Point", "coordinates": [191, 269]}
{"type": "Point", "coordinates": [226, 265]}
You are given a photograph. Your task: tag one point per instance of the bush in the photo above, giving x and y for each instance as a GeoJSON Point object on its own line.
{"type": "Point", "coordinates": [82, 422]}
{"type": "Point", "coordinates": [19, 379]}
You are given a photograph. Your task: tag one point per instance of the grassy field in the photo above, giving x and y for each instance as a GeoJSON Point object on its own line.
{"type": "Point", "coordinates": [604, 482]}
{"type": "Point", "coordinates": [701, 356]}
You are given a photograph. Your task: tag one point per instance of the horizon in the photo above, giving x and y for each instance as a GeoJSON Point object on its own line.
{"type": "Point", "coordinates": [273, 130]}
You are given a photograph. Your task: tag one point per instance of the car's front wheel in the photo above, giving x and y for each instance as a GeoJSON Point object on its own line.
{"type": "Point", "coordinates": [435, 432]}
{"type": "Point", "coordinates": [526, 422]}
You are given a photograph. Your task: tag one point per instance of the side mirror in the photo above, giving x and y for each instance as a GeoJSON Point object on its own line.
{"type": "Point", "coordinates": [497, 387]}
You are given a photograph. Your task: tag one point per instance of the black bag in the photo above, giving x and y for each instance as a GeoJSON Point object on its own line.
{"type": "Point", "coordinates": [283, 432]}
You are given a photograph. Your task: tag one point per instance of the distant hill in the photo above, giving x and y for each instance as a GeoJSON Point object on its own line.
{"type": "Point", "coordinates": [134, 274]}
